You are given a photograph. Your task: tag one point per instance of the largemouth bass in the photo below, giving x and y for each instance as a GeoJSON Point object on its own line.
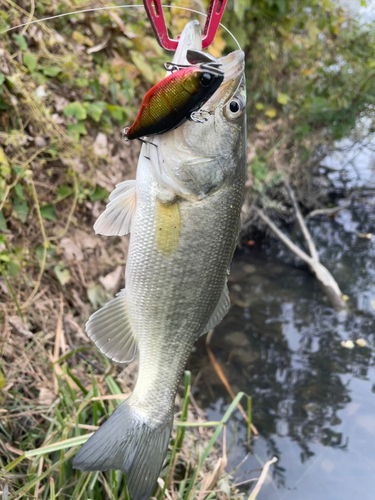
{"type": "Point", "coordinates": [183, 213]}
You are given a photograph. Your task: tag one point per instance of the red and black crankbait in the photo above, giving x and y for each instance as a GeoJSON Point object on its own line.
{"type": "Point", "coordinates": [176, 98]}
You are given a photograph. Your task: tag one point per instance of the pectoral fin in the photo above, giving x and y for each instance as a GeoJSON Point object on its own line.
{"type": "Point", "coordinates": [116, 220]}
{"type": "Point", "coordinates": [110, 329]}
{"type": "Point", "coordinates": [221, 310]}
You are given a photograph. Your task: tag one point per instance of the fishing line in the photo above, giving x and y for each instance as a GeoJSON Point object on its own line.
{"type": "Point", "coordinates": [96, 9]}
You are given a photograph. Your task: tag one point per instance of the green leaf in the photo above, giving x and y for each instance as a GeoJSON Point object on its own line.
{"type": "Point", "coordinates": [3, 224]}
{"type": "Point", "coordinates": [117, 112]}
{"type": "Point", "coordinates": [14, 268]}
{"type": "Point", "coordinates": [259, 169]}
{"type": "Point", "coordinates": [39, 252]}
{"type": "Point", "coordinates": [283, 99]}
{"type": "Point", "coordinates": [48, 212]}
{"type": "Point", "coordinates": [4, 257]}
{"type": "Point", "coordinates": [271, 112]}
{"type": "Point", "coordinates": [63, 192]}
{"type": "Point", "coordinates": [76, 129]}
{"type": "Point", "coordinates": [20, 209]}
{"type": "Point", "coordinates": [51, 70]}
{"type": "Point", "coordinates": [2, 379]}
{"type": "Point", "coordinates": [75, 110]}
{"type": "Point", "coordinates": [21, 41]}
{"type": "Point", "coordinates": [19, 192]}
{"type": "Point", "coordinates": [99, 194]}
{"type": "Point", "coordinates": [94, 111]}
{"type": "Point", "coordinates": [30, 61]}
{"type": "Point", "coordinates": [143, 66]}
{"type": "Point", "coordinates": [59, 445]}
{"type": "Point", "coordinates": [2, 78]}
{"type": "Point", "coordinates": [63, 275]}
{"type": "Point", "coordinates": [97, 296]}
{"type": "Point", "coordinates": [3, 158]}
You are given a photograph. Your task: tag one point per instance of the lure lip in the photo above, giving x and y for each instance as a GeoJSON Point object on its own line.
{"type": "Point", "coordinates": [212, 66]}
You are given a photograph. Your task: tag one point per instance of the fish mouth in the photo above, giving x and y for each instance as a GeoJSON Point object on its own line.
{"type": "Point", "coordinates": [233, 65]}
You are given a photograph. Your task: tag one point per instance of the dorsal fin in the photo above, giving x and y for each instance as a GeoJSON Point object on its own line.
{"type": "Point", "coordinates": [116, 220]}
{"type": "Point", "coordinates": [110, 329]}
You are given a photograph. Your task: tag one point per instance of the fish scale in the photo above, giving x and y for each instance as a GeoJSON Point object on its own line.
{"type": "Point", "coordinates": [183, 213]}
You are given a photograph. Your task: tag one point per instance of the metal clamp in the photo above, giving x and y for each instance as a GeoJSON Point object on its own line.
{"type": "Point", "coordinates": [155, 13]}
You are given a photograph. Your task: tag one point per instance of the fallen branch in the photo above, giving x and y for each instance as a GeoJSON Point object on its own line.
{"type": "Point", "coordinates": [306, 234]}
{"type": "Point", "coordinates": [327, 211]}
{"type": "Point", "coordinates": [322, 274]}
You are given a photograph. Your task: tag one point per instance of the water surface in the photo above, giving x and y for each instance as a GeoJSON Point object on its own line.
{"type": "Point", "coordinates": [313, 400]}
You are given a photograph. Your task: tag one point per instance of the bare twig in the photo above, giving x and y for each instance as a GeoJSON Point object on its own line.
{"type": "Point", "coordinates": [19, 176]}
{"type": "Point", "coordinates": [327, 211]}
{"type": "Point", "coordinates": [115, 17]}
{"type": "Point", "coordinates": [57, 346]}
{"type": "Point", "coordinates": [289, 243]}
{"type": "Point", "coordinates": [224, 380]}
{"type": "Point", "coordinates": [45, 246]}
{"type": "Point", "coordinates": [306, 234]}
{"type": "Point", "coordinates": [71, 211]}
{"type": "Point", "coordinates": [31, 15]}
{"type": "Point", "coordinates": [262, 478]}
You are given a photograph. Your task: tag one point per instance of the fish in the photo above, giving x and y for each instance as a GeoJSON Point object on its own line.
{"type": "Point", "coordinates": [174, 99]}
{"type": "Point", "coordinates": [183, 215]}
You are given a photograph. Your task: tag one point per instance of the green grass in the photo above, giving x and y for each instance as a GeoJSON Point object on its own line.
{"type": "Point", "coordinates": [46, 472]}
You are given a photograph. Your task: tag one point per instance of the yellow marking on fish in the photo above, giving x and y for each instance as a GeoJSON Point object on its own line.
{"type": "Point", "coordinates": [168, 225]}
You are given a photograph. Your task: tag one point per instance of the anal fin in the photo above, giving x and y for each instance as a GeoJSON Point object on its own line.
{"type": "Point", "coordinates": [220, 311]}
{"type": "Point", "coordinates": [110, 329]}
{"type": "Point", "coordinates": [116, 220]}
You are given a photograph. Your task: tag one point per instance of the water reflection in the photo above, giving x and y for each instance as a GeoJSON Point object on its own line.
{"type": "Point", "coordinates": [313, 400]}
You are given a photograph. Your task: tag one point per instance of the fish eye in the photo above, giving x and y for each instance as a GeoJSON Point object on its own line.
{"type": "Point", "coordinates": [234, 108]}
{"type": "Point", "coordinates": [206, 79]}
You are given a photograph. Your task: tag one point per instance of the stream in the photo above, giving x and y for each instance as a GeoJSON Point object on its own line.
{"type": "Point", "coordinates": [313, 399]}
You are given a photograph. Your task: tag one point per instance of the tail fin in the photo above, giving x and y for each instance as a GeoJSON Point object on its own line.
{"type": "Point", "coordinates": [128, 442]}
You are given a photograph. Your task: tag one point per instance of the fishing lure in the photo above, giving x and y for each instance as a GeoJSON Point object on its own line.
{"type": "Point", "coordinates": [178, 97]}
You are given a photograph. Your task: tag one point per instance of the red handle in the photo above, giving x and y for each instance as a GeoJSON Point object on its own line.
{"type": "Point", "coordinates": [214, 15]}
{"type": "Point", "coordinates": [155, 13]}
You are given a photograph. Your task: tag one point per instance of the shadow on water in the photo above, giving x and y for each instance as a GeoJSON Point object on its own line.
{"type": "Point", "coordinates": [313, 400]}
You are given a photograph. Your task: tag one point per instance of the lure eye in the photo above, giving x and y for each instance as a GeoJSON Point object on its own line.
{"type": "Point", "coordinates": [234, 108]}
{"type": "Point", "coordinates": [206, 79]}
